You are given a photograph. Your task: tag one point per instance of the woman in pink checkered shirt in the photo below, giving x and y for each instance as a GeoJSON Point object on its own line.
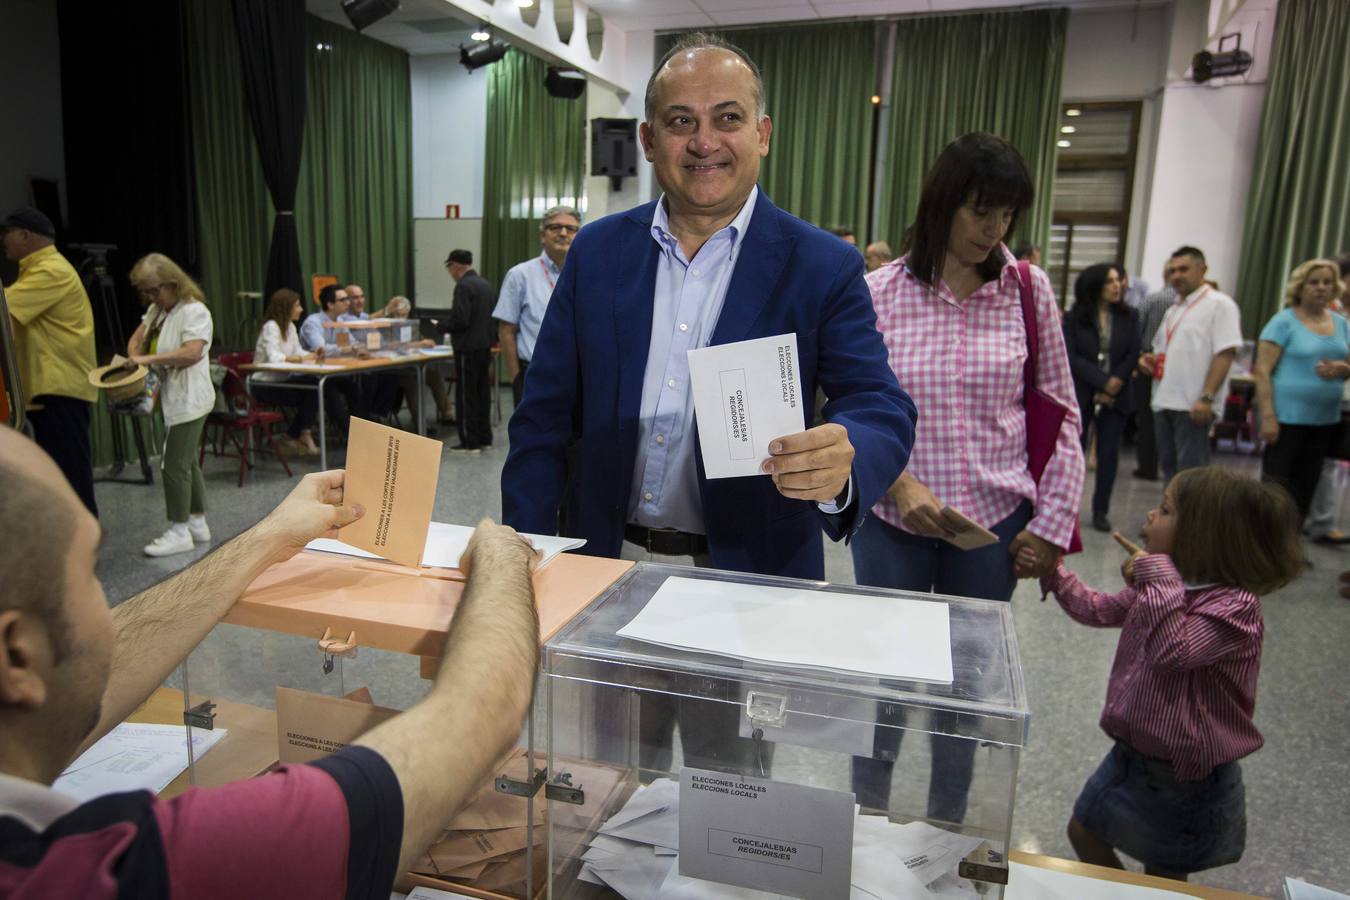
{"type": "Point", "coordinates": [950, 313]}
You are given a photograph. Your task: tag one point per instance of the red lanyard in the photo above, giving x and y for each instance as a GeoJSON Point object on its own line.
{"type": "Point", "coordinates": [1190, 306]}
{"type": "Point", "coordinates": [547, 274]}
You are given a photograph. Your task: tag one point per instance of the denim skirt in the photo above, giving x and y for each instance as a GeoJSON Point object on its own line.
{"type": "Point", "coordinates": [1136, 804]}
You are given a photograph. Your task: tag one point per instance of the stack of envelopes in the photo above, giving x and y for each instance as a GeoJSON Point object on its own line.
{"type": "Point", "coordinates": [636, 854]}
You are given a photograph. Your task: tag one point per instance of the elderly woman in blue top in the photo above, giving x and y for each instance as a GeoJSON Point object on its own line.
{"type": "Point", "coordinates": [1302, 361]}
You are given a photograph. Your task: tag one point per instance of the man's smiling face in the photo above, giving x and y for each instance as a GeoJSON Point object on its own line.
{"type": "Point", "coordinates": [704, 141]}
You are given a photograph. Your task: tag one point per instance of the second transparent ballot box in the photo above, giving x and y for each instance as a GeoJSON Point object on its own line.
{"type": "Point", "coordinates": [716, 739]}
{"type": "Point", "coordinates": [383, 336]}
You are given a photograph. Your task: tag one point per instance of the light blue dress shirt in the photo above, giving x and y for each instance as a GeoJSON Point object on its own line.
{"type": "Point", "coordinates": [313, 335]}
{"type": "Point", "coordinates": [354, 317]}
{"type": "Point", "coordinates": [524, 297]}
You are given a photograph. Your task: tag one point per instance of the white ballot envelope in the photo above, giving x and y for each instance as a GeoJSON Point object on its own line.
{"type": "Point", "coordinates": [745, 395]}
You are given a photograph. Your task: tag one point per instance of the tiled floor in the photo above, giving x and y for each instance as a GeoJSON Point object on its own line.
{"type": "Point", "coordinates": [1297, 790]}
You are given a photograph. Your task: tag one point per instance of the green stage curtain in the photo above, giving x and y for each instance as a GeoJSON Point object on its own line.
{"type": "Point", "coordinates": [1299, 204]}
{"type": "Point", "coordinates": [818, 81]}
{"type": "Point", "coordinates": [994, 72]}
{"type": "Point", "coordinates": [536, 158]}
{"type": "Point", "coordinates": [354, 206]}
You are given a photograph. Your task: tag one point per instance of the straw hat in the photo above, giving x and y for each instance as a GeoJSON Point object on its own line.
{"type": "Point", "coordinates": [122, 379]}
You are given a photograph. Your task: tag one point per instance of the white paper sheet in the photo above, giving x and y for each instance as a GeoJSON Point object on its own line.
{"type": "Point", "coordinates": [651, 816]}
{"type": "Point", "coordinates": [445, 544]}
{"type": "Point", "coordinates": [745, 395]}
{"type": "Point", "coordinates": [886, 636]}
{"type": "Point", "coordinates": [302, 367]}
{"type": "Point", "coordinates": [134, 757]}
{"type": "Point", "coordinates": [1034, 883]}
{"type": "Point", "coordinates": [927, 852]}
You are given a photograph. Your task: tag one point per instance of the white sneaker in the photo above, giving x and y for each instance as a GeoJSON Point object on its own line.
{"type": "Point", "coordinates": [201, 533]}
{"type": "Point", "coordinates": [169, 543]}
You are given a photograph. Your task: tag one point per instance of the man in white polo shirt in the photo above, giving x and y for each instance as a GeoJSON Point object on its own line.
{"type": "Point", "coordinates": [1192, 352]}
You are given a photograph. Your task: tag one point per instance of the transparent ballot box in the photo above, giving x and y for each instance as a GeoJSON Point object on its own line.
{"type": "Point", "coordinates": [713, 741]}
{"type": "Point", "coordinates": [377, 334]}
{"type": "Point", "coordinates": [323, 648]}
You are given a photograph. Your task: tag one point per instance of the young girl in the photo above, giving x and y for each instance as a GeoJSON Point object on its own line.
{"type": "Point", "coordinates": [1182, 690]}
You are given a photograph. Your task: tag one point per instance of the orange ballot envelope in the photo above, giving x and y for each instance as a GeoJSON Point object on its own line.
{"type": "Point", "coordinates": [393, 475]}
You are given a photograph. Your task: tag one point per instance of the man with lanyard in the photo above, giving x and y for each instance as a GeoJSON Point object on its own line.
{"type": "Point", "coordinates": [1193, 350]}
{"type": "Point", "coordinates": [526, 290]}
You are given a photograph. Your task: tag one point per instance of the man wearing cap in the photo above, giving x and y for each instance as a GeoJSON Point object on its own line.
{"type": "Point", "coordinates": [54, 342]}
{"type": "Point", "coordinates": [470, 326]}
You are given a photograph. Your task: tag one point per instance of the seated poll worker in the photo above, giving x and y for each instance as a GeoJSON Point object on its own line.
{"type": "Point", "coordinates": [712, 262]}
{"type": "Point", "coordinates": [342, 827]}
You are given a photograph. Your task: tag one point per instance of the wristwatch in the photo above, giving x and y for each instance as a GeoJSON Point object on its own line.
{"type": "Point", "coordinates": [1207, 398]}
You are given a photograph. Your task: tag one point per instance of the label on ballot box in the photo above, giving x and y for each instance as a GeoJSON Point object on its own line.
{"type": "Point", "coordinates": [768, 835]}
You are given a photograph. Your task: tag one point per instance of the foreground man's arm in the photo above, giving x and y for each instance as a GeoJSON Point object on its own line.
{"type": "Point", "coordinates": [158, 627]}
{"type": "Point", "coordinates": [442, 749]}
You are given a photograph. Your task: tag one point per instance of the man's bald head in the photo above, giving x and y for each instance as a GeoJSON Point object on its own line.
{"type": "Point", "coordinates": [683, 53]}
{"type": "Point", "coordinates": [38, 513]}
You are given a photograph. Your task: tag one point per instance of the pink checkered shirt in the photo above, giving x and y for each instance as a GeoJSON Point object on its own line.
{"type": "Point", "coordinates": [962, 361]}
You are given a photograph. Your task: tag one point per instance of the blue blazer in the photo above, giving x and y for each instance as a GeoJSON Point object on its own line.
{"type": "Point", "coordinates": [583, 390]}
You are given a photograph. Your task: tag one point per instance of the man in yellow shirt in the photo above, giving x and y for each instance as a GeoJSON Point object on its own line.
{"type": "Point", "coordinates": [54, 337]}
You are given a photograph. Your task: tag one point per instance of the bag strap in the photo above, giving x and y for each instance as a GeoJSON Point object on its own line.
{"type": "Point", "coordinates": [1028, 299]}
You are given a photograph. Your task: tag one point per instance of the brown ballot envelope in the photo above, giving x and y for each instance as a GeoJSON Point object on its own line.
{"type": "Point", "coordinates": [393, 474]}
{"type": "Point", "coordinates": [966, 534]}
{"type": "Point", "coordinates": [311, 726]}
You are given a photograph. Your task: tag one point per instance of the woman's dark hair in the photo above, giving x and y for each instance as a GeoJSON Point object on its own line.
{"type": "Point", "coordinates": [1087, 291]}
{"type": "Point", "coordinates": [981, 169]}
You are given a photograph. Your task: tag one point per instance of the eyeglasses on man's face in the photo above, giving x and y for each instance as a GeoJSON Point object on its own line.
{"type": "Point", "coordinates": [560, 228]}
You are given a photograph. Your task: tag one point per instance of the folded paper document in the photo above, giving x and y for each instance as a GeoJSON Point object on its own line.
{"type": "Point", "coordinates": [393, 475]}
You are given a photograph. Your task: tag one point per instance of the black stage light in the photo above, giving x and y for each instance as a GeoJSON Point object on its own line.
{"type": "Point", "coordinates": [1206, 65]}
{"type": "Point", "coordinates": [484, 54]}
{"type": "Point", "coordinates": [568, 84]}
{"type": "Point", "coordinates": [364, 13]}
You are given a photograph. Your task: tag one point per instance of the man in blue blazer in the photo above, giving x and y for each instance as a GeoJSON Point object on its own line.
{"type": "Point", "coordinates": [713, 262]}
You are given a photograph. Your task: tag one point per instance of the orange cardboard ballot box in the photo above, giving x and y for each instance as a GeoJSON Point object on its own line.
{"type": "Point", "coordinates": [322, 647]}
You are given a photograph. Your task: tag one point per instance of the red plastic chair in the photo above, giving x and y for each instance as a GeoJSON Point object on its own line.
{"type": "Point", "coordinates": [248, 427]}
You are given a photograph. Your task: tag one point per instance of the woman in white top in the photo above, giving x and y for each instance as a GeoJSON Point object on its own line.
{"type": "Point", "coordinates": [174, 338]}
{"type": "Point", "coordinates": [279, 342]}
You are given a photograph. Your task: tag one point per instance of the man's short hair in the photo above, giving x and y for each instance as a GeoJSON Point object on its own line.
{"type": "Point", "coordinates": [1193, 252]}
{"type": "Point", "coordinates": [463, 257]}
{"type": "Point", "coordinates": [841, 231]}
{"type": "Point", "coordinates": [35, 525]}
{"type": "Point", "coordinates": [701, 40]}
{"type": "Point", "coordinates": [328, 295]}
{"type": "Point", "coordinates": [560, 210]}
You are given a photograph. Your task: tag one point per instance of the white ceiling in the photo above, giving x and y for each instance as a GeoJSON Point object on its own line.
{"type": "Point", "coordinates": [434, 26]}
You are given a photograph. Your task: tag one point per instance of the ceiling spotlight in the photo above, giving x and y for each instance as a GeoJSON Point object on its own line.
{"type": "Point", "coordinates": [481, 34]}
{"type": "Point", "coordinates": [876, 99]}
{"type": "Point", "coordinates": [1064, 143]}
{"type": "Point", "coordinates": [1206, 65]}
{"type": "Point", "coordinates": [364, 13]}
{"type": "Point", "coordinates": [1067, 129]}
{"type": "Point", "coordinates": [1073, 112]}
{"type": "Point", "coordinates": [566, 84]}
{"type": "Point", "coordinates": [482, 54]}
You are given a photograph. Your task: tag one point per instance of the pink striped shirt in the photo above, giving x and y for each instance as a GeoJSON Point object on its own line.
{"type": "Point", "coordinates": [961, 361]}
{"type": "Point", "coordinates": [1183, 683]}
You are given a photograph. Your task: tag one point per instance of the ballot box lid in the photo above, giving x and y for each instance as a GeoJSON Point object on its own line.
{"type": "Point", "coordinates": [889, 635]}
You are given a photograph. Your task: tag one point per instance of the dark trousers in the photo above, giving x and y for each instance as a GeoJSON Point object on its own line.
{"type": "Point", "coordinates": [1110, 426]}
{"type": "Point", "coordinates": [1146, 447]}
{"type": "Point", "coordinates": [379, 391]}
{"type": "Point", "coordinates": [1295, 461]}
{"type": "Point", "coordinates": [885, 556]}
{"type": "Point", "coordinates": [305, 404]}
{"type": "Point", "coordinates": [61, 428]}
{"type": "Point", "coordinates": [1182, 444]}
{"type": "Point", "coordinates": [518, 384]}
{"type": "Point", "coordinates": [473, 398]}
